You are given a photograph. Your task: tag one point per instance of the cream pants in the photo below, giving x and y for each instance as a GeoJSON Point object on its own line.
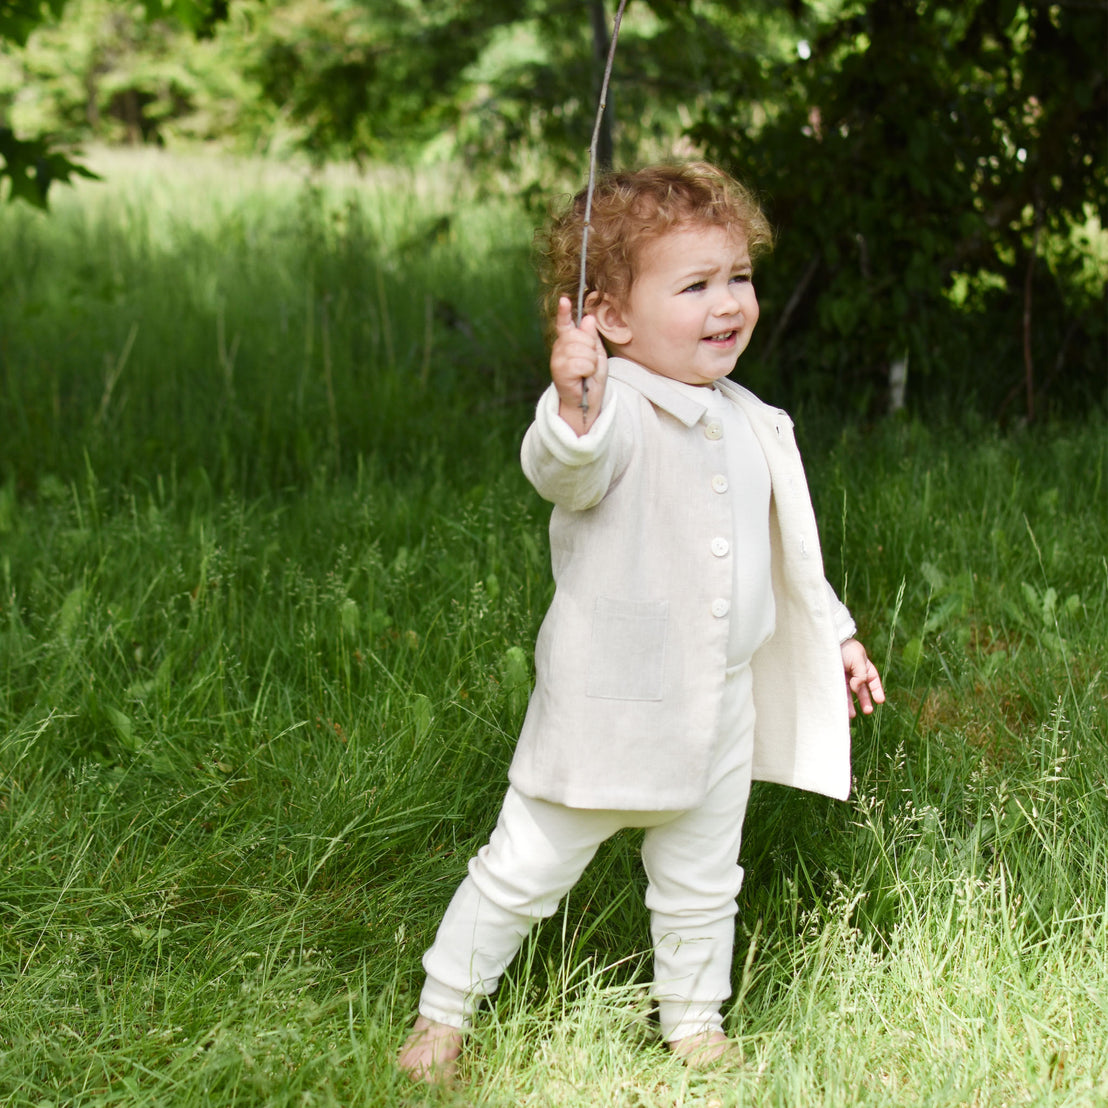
{"type": "Point", "coordinates": [537, 852]}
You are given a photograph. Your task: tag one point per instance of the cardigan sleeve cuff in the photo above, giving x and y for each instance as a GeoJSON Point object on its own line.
{"type": "Point", "coordinates": [845, 627]}
{"type": "Point", "coordinates": [562, 441]}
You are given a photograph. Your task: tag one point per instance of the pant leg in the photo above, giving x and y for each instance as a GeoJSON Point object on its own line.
{"type": "Point", "coordinates": [534, 856]}
{"type": "Point", "coordinates": [693, 878]}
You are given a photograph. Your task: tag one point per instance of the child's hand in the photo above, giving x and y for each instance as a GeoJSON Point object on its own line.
{"type": "Point", "coordinates": [576, 357]}
{"type": "Point", "coordinates": [862, 678]}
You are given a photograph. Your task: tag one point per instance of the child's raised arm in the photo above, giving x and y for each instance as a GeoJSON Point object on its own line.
{"type": "Point", "coordinates": [577, 356]}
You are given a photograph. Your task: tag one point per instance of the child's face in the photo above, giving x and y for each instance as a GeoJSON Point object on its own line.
{"type": "Point", "coordinates": [691, 309]}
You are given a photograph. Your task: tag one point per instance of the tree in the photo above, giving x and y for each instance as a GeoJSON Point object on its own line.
{"type": "Point", "coordinates": [927, 162]}
{"type": "Point", "coordinates": [931, 165]}
{"type": "Point", "coordinates": [29, 164]}
{"type": "Point", "coordinates": [935, 168]}
{"type": "Point", "coordinates": [32, 164]}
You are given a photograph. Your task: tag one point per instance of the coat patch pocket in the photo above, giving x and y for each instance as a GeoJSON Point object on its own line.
{"type": "Point", "coordinates": [628, 649]}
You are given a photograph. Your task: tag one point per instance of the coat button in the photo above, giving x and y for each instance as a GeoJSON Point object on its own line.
{"type": "Point", "coordinates": [720, 607]}
{"type": "Point", "coordinates": [719, 483]}
{"type": "Point", "coordinates": [714, 430]}
{"type": "Point", "coordinates": [720, 546]}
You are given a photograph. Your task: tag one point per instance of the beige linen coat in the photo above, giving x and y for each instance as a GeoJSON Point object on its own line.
{"type": "Point", "coordinates": [631, 657]}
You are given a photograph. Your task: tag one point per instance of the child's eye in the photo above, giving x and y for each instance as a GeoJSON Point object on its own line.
{"type": "Point", "coordinates": [697, 286]}
{"type": "Point", "coordinates": [743, 278]}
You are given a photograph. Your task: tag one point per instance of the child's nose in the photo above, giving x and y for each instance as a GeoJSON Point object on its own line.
{"type": "Point", "coordinates": [728, 303]}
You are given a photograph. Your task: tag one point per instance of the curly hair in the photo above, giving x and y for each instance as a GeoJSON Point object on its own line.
{"type": "Point", "coordinates": [631, 209]}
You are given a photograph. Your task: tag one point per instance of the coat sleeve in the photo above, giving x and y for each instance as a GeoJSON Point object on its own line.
{"type": "Point", "coordinates": [571, 472]}
{"type": "Point", "coordinates": [845, 627]}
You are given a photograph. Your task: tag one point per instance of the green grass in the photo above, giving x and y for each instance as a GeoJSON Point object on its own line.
{"type": "Point", "coordinates": [265, 629]}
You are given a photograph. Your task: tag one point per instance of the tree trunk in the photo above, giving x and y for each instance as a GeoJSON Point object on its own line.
{"type": "Point", "coordinates": [605, 152]}
{"type": "Point", "coordinates": [898, 383]}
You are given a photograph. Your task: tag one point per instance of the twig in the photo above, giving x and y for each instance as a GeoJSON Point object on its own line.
{"type": "Point", "coordinates": [584, 405]}
{"type": "Point", "coordinates": [791, 306]}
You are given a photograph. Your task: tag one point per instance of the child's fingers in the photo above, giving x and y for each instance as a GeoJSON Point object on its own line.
{"type": "Point", "coordinates": [574, 354]}
{"type": "Point", "coordinates": [860, 690]}
{"type": "Point", "coordinates": [869, 684]}
{"type": "Point", "coordinates": [563, 321]}
{"type": "Point", "coordinates": [577, 361]}
{"type": "Point", "coordinates": [862, 679]}
{"type": "Point", "coordinates": [877, 690]}
{"type": "Point", "coordinates": [577, 350]}
{"type": "Point", "coordinates": [867, 688]}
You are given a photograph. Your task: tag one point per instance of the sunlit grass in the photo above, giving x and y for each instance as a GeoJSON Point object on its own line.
{"type": "Point", "coordinates": [302, 317]}
{"type": "Point", "coordinates": [263, 659]}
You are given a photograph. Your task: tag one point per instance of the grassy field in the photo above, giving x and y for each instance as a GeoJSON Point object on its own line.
{"type": "Point", "coordinates": [270, 581]}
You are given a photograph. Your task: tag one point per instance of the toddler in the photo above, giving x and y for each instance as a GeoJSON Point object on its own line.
{"type": "Point", "coordinates": [693, 644]}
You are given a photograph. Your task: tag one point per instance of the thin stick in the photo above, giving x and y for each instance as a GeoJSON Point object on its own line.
{"type": "Point", "coordinates": [584, 405]}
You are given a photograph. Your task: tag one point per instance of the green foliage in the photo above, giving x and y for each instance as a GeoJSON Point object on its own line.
{"type": "Point", "coordinates": [32, 166]}
{"type": "Point", "coordinates": [917, 146]}
{"type": "Point", "coordinates": [363, 79]}
{"type": "Point", "coordinates": [533, 92]}
{"type": "Point", "coordinates": [112, 73]}
{"type": "Point", "coordinates": [79, 75]}
{"type": "Point", "coordinates": [500, 82]}
{"type": "Point", "coordinates": [19, 18]}
{"type": "Point", "coordinates": [939, 201]}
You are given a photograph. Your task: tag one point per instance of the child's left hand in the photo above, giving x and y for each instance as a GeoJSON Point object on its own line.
{"type": "Point", "coordinates": [862, 679]}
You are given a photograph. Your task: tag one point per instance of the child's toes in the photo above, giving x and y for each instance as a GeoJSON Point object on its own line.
{"type": "Point", "coordinates": [430, 1053]}
{"type": "Point", "coordinates": [709, 1048]}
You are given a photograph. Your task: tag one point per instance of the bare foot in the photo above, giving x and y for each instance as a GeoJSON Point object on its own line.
{"type": "Point", "coordinates": [430, 1053]}
{"type": "Point", "coordinates": [707, 1048]}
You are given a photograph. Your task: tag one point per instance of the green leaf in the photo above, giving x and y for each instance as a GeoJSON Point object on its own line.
{"type": "Point", "coordinates": [18, 18]}
{"type": "Point", "coordinates": [33, 165]}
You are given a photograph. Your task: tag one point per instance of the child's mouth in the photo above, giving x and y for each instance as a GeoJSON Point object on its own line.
{"type": "Point", "coordinates": [723, 338]}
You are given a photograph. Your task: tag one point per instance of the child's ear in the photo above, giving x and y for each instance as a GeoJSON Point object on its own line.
{"type": "Point", "coordinates": [609, 320]}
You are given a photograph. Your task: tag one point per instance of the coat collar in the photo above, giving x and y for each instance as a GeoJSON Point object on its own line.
{"type": "Point", "coordinates": [657, 390]}
{"type": "Point", "coordinates": [752, 405]}
{"type": "Point", "coordinates": [679, 404]}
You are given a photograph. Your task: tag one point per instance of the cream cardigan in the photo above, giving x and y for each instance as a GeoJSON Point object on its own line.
{"type": "Point", "coordinates": [630, 659]}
